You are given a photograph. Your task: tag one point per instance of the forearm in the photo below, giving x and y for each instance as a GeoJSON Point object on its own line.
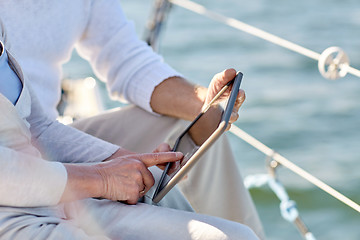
{"type": "Point", "coordinates": [177, 97]}
{"type": "Point", "coordinates": [83, 181]}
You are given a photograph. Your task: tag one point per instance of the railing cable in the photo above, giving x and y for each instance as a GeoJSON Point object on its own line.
{"type": "Point", "coordinates": [294, 168]}
{"type": "Point", "coordinates": [333, 62]}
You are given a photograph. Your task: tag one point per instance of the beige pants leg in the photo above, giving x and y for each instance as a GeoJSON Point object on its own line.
{"type": "Point", "coordinates": [142, 221]}
{"type": "Point", "coordinates": [214, 186]}
{"type": "Point", "coordinates": [103, 219]}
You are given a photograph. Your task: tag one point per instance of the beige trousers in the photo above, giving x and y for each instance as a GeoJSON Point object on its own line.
{"type": "Point", "coordinates": [104, 219]}
{"type": "Point", "coordinates": [213, 187]}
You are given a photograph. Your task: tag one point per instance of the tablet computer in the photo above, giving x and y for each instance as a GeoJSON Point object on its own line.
{"type": "Point", "coordinates": [173, 173]}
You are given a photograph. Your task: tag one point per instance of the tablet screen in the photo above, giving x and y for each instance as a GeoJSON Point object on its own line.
{"type": "Point", "coordinates": [192, 138]}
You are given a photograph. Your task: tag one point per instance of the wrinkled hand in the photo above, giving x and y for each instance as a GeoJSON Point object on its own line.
{"type": "Point", "coordinates": [217, 83]}
{"type": "Point", "coordinates": [127, 178]}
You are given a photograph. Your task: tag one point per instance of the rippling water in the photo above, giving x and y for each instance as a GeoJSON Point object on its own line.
{"type": "Point", "coordinates": [312, 121]}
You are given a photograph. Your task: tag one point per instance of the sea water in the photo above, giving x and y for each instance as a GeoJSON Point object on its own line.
{"type": "Point", "coordinates": [290, 107]}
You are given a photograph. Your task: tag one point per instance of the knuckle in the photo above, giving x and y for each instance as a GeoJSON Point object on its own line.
{"type": "Point", "coordinates": [133, 194]}
{"type": "Point", "coordinates": [163, 147]}
{"type": "Point", "coordinates": [132, 200]}
{"type": "Point", "coordinates": [138, 164]}
{"type": "Point", "coordinates": [135, 191]}
{"type": "Point", "coordinates": [138, 177]}
{"type": "Point", "coordinates": [156, 156]}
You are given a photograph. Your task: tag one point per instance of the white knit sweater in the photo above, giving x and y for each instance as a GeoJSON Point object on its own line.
{"type": "Point", "coordinates": [43, 33]}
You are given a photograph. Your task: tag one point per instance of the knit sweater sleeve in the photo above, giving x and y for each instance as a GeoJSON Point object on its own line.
{"type": "Point", "coordinates": [58, 142]}
{"type": "Point", "coordinates": [29, 181]}
{"type": "Point", "coordinates": [128, 65]}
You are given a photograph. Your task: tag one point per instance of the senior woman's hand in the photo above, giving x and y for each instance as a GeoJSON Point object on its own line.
{"type": "Point", "coordinates": [125, 178]}
{"type": "Point", "coordinates": [128, 178]}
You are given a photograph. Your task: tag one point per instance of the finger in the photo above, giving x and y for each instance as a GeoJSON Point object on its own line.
{"type": "Point", "coordinates": [143, 177]}
{"type": "Point", "coordinates": [133, 193]}
{"type": "Point", "coordinates": [148, 181]}
{"type": "Point", "coordinates": [218, 82]}
{"type": "Point", "coordinates": [132, 201]}
{"type": "Point", "coordinates": [151, 159]}
{"type": "Point", "coordinates": [230, 74]}
{"type": "Point", "coordinates": [163, 147]}
{"type": "Point", "coordinates": [239, 99]}
{"type": "Point", "coordinates": [233, 117]}
{"type": "Point", "coordinates": [225, 76]}
{"type": "Point", "coordinates": [228, 127]}
{"type": "Point", "coordinates": [140, 190]}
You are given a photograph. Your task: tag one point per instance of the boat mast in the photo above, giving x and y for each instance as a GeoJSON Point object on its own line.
{"type": "Point", "coordinates": [156, 22]}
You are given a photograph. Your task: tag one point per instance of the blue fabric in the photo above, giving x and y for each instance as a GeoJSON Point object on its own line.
{"type": "Point", "coordinates": [10, 84]}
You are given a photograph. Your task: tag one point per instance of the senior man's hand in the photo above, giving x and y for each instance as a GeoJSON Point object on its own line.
{"type": "Point", "coordinates": [179, 98]}
{"type": "Point", "coordinates": [209, 121]}
{"type": "Point", "coordinates": [217, 83]}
